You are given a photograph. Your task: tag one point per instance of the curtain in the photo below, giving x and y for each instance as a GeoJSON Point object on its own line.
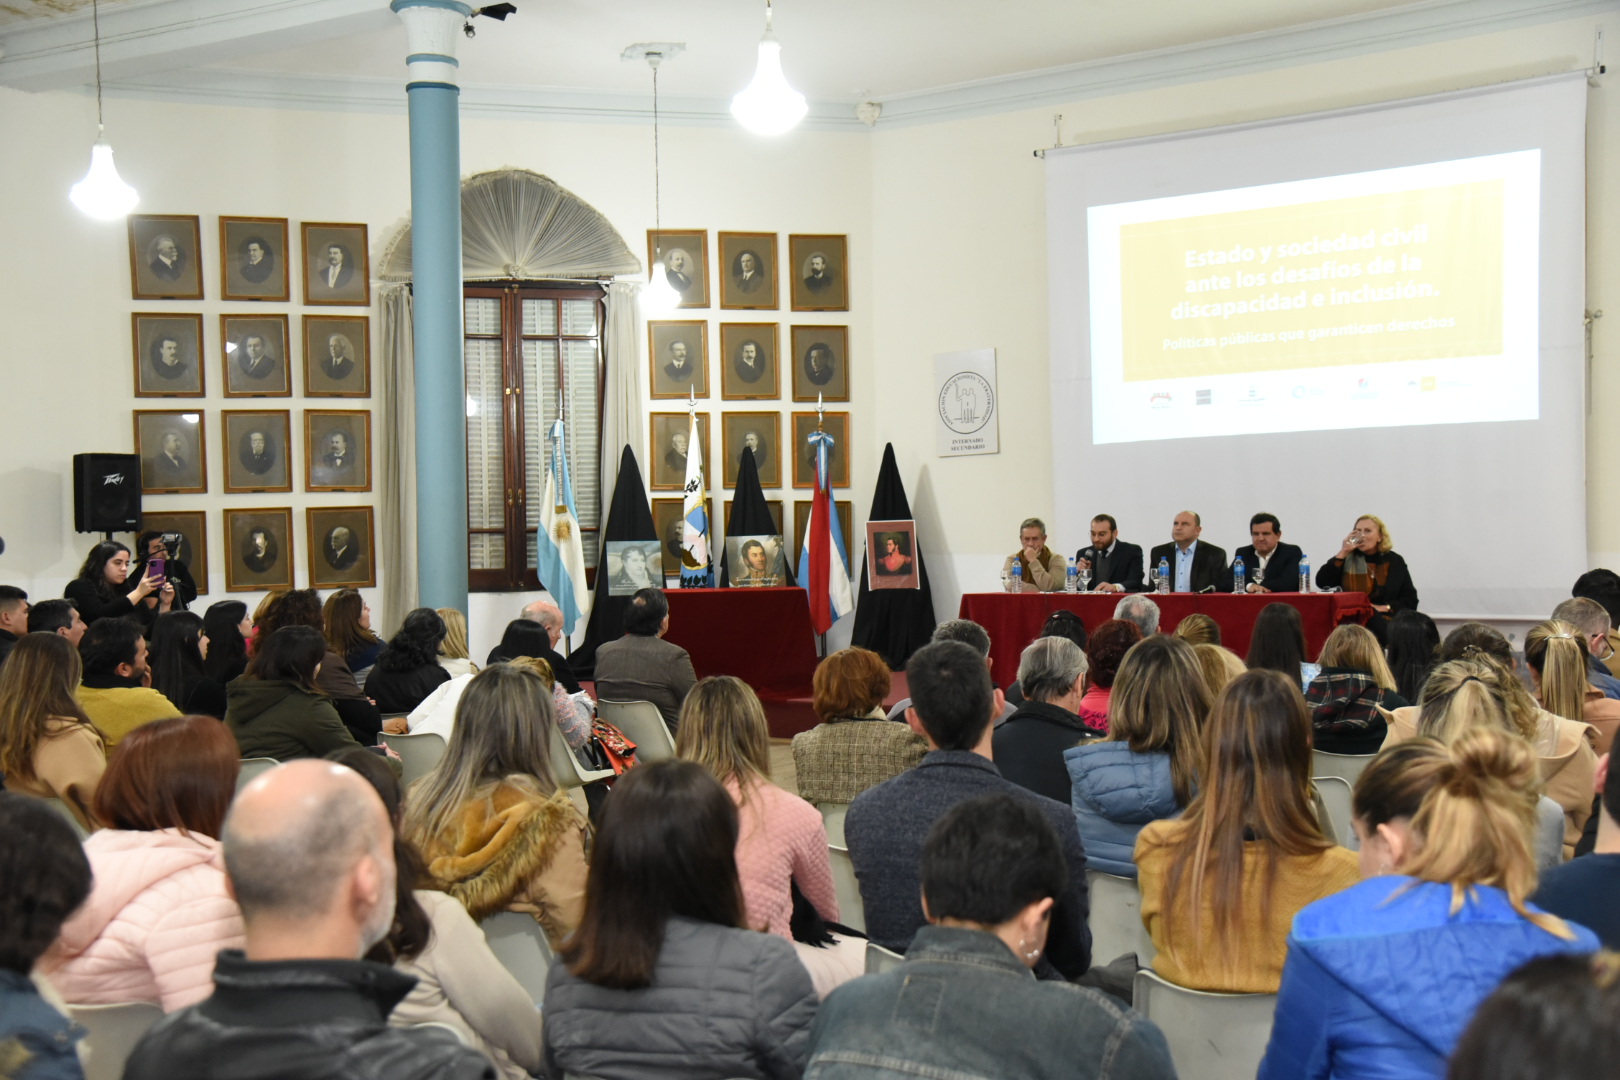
{"type": "Point", "coordinates": [621, 390]}
{"type": "Point", "coordinates": [397, 486]}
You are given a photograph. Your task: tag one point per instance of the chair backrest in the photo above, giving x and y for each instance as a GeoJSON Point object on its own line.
{"type": "Point", "coordinates": [418, 754]}
{"type": "Point", "coordinates": [73, 819]}
{"type": "Point", "coordinates": [1549, 833]}
{"type": "Point", "coordinates": [252, 767]}
{"type": "Point", "coordinates": [1333, 798]}
{"type": "Point", "coordinates": [1211, 1036]}
{"type": "Point", "coordinates": [521, 945]}
{"type": "Point", "coordinates": [1116, 919]}
{"type": "Point", "coordinates": [851, 911]}
{"type": "Point", "coordinates": [642, 724]}
{"type": "Point", "coordinates": [1348, 767]}
{"type": "Point", "coordinates": [113, 1032]}
{"type": "Point", "coordinates": [832, 818]}
{"type": "Point", "coordinates": [566, 767]}
{"type": "Point", "coordinates": [879, 959]}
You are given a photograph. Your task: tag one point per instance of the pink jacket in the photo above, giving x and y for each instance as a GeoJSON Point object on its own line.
{"type": "Point", "coordinates": [157, 915]}
{"type": "Point", "coordinates": [781, 839]}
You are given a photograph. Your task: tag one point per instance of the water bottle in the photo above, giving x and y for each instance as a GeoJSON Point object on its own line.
{"type": "Point", "coordinates": [1304, 574]}
{"type": "Point", "coordinates": [1164, 574]}
{"type": "Point", "coordinates": [1072, 582]}
{"type": "Point", "coordinates": [1017, 584]}
{"type": "Point", "coordinates": [1238, 578]}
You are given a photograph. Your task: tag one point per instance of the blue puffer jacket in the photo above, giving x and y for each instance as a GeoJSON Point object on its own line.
{"type": "Point", "coordinates": [40, 1040]}
{"type": "Point", "coordinates": [1380, 986]}
{"type": "Point", "coordinates": [1115, 792]}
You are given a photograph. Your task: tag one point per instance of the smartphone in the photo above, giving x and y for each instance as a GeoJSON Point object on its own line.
{"type": "Point", "coordinates": [157, 566]}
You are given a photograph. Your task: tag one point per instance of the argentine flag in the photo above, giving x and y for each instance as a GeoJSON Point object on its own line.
{"type": "Point", "coordinates": [559, 554]}
{"type": "Point", "coordinates": [823, 563]}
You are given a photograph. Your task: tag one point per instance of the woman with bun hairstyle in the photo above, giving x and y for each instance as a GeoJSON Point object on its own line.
{"type": "Point", "coordinates": [1383, 977]}
{"type": "Point", "coordinates": [1105, 651]}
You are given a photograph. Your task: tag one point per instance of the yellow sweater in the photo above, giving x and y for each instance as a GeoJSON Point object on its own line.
{"type": "Point", "coordinates": [118, 710]}
{"type": "Point", "coordinates": [1262, 943]}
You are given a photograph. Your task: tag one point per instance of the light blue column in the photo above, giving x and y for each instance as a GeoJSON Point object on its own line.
{"type": "Point", "coordinates": [441, 418]}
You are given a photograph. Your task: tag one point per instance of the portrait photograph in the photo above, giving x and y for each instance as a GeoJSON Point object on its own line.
{"type": "Point", "coordinates": [668, 450]}
{"type": "Point", "coordinates": [746, 268]}
{"type": "Point", "coordinates": [341, 542]}
{"type": "Point", "coordinates": [258, 549]}
{"type": "Point", "coordinates": [891, 554]}
{"type": "Point", "coordinates": [820, 272]}
{"type": "Point", "coordinates": [820, 362]}
{"type": "Point", "coordinates": [253, 258]}
{"type": "Point", "coordinates": [754, 561]}
{"type": "Point", "coordinates": [337, 356]}
{"type": "Point", "coordinates": [165, 257]}
{"type": "Point", "coordinates": [168, 354]}
{"type": "Point", "coordinates": [804, 456]}
{"type": "Point", "coordinates": [667, 518]}
{"type": "Point", "coordinates": [254, 352]}
{"type": "Point", "coordinates": [776, 514]}
{"type": "Point", "coordinates": [801, 522]}
{"type": "Point", "coordinates": [678, 358]}
{"type": "Point", "coordinates": [760, 432]}
{"type": "Point", "coordinates": [257, 450]}
{"type": "Point", "coordinates": [336, 266]}
{"type": "Point", "coordinates": [748, 367]}
{"type": "Point", "coordinates": [337, 450]}
{"type": "Point", "coordinates": [185, 533]}
{"type": "Point", "coordinates": [685, 255]}
{"type": "Point", "coordinates": [633, 565]}
{"type": "Point", "coordinates": [173, 452]}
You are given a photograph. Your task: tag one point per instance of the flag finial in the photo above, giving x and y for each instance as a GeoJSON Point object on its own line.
{"type": "Point", "coordinates": [820, 409]}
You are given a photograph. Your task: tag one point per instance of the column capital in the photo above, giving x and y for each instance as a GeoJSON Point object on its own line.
{"type": "Point", "coordinates": [430, 28]}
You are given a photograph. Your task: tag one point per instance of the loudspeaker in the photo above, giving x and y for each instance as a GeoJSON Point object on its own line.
{"type": "Point", "coordinates": [106, 492]}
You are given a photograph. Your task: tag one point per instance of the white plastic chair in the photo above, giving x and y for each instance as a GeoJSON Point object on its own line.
{"type": "Point", "coordinates": [1116, 919]}
{"type": "Point", "coordinates": [418, 754]}
{"type": "Point", "coordinates": [113, 1032]}
{"type": "Point", "coordinates": [569, 772]}
{"type": "Point", "coordinates": [1333, 797]}
{"type": "Point", "coordinates": [252, 767]}
{"type": "Point", "coordinates": [521, 945]}
{"type": "Point", "coordinates": [1347, 767]}
{"type": "Point", "coordinates": [643, 725]}
{"type": "Point", "coordinates": [851, 911]}
{"type": "Point", "coordinates": [832, 818]}
{"type": "Point", "coordinates": [879, 959]}
{"type": "Point", "coordinates": [1549, 833]}
{"type": "Point", "coordinates": [1211, 1036]}
{"type": "Point", "coordinates": [62, 808]}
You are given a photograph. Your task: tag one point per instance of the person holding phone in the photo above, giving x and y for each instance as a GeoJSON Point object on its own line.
{"type": "Point", "coordinates": [158, 555]}
{"type": "Point", "coordinates": [102, 589]}
{"type": "Point", "coordinates": [1367, 563]}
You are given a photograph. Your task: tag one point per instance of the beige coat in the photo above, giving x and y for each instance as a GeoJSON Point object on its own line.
{"type": "Point", "coordinates": [68, 764]}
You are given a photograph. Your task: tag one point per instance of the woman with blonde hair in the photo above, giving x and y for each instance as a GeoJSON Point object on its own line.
{"type": "Point", "coordinates": [855, 746]}
{"type": "Point", "coordinates": [1367, 563]}
{"type": "Point", "coordinates": [453, 655]}
{"type": "Point", "coordinates": [1199, 629]}
{"type": "Point", "coordinates": [1222, 883]}
{"type": "Point", "coordinates": [48, 746]}
{"type": "Point", "coordinates": [1446, 850]}
{"type": "Point", "coordinates": [781, 844]}
{"type": "Point", "coordinates": [1218, 665]}
{"type": "Point", "coordinates": [1348, 697]}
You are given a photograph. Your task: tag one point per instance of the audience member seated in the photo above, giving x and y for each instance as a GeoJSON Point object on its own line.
{"type": "Point", "coordinates": [56, 617]}
{"type": "Point", "coordinates": [641, 666]}
{"type": "Point", "coordinates": [1553, 1019]}
{"type": "Point", "coordinates": [1148, 767]}
{"type": "Point", "coordinates": [1367, 563]}
{"type": "Point", "coordinates": [437, 713]}
{"type": "Point", "coordinates": [408, 668]}
{"type": "Point", "coordinates": [1143, 611]}
{"type": "Point", "coordinates": [781, 845]}
{"type": "Point", "coordinates": [1030, 746]}
{"type": "Point", "coordinates": [459, 982]}
{"type": "Point", "coordinates": [1104, 653]}
{"type": "Point", "coordinates": [1196, 565]}
{"type": "Point", "coordinates": [962, 1003]}
{"type": "Point", "coordinates": [148, 546]}
{"type": "Point", "coordinates": [453, 649]}
{"type": "Point", "coordinates": [952, 706]}
{"type": "Point", "coordinates": [1278, 644]}
{"type": "Point", "coordinates": [177, 654]}
{"type": "Point", "coordinates": [227, 627]}
{"type": "Point", "coordinates": [346, 621]}
{"type": "Point", "coordinates": [302, 607]}
{"type": "Point", "coordinates": [1583, 890]}
{"type": "Point", "coordinates": [975, 637]}
{"type": "Point", "coordinates": [47, 878]}
{"type": "Point", "coordinates": [160, 909]}
{"type": "Point", "coordinates": [1218, 665]}
{"type": "Point", "coordinates": [1347, 696]}
{"type": "Point", "coordinates": [1061, 623]}
{"type": "Point", "coordinates": [259, 616]}
{"type": "Point", "coordinates": [275, 710]}
{"type": "Point", "coordinates": [13, 618]}
{"type": "Point", "coordinates": [1222, 883]}
{"type": "Point", "coordinates": [496, 831]}
{"type": "Point", "coordinates": [308, 849]}
{"type": "Point", "coordinates": [662, 982]}
{"type": "Point", "coordinates": [1603, 587]}
{"type": "Point", "coordinates": [48, 746]}
{"type": "Point", "coordinates": [1413, 648]}
{"type": "Point", "coordinates": [1040, 569]}
{"type": "Point", "coordinates": [520, 640]}
{"type": "Point", "coordinates": [102, 589]}
{"type": "Point", "coordinates": [1558, 658]}
{"type": "Point", "coordinates": [1382, 978]}
{"type": "Point", "coordinates": [1595, 625]}
{"type": "Point", "coordinates": [112, 688]}
{"type": "Point", "coordinates": [855, 746]}
{"type": "Point", "coordinates": [1199, 629]}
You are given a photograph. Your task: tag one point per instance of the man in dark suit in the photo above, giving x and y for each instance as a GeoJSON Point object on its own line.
{"type": "Point", "coordinates": [1194, 565]}
{"type": "Point", "coordinates": [257, 455]}
{"type": "Point", "coordinates": [680, 370]}
{"type": "Point", "coordinates": [337, 464]}
{"type": "Point", "coordinates": [340, 549]}
{"type": "Point", "coordinates": [167, 261]}
{"type": "Point", "coordinates": [337, 272]}
{"type": "Point", "coordinates": [259, 552]}
{"type": "Point", "coordinates": [167, 363]}
{"type": "Point", "coordinates": [257, 263]}
{"type": "Point", "coordinates": [1115, 565]}
{"type": "Point", "coordinates": [255, 359]}
{"type": "Point", "coordinates": [641, 666]}
{"type": "Point", "coordinates": [819, 278]}
{"type": "Point", "coordinates": [748, 364]}
{"type": "Point", "coordinates": [338, 363]}
{"type": "Point", "coordinates": [747, 274]}
{"type": "Point", "coordinates": [818, 364]}
{"type": "Point", "coordinates": [1269, 565]}
{"type": "Point", "coordinates": [675, 271]}
{"type": "Point", "coordinates": [169, 468]}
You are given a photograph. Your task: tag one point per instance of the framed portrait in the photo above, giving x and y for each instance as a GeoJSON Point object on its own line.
{"type": "Point", "coordinates": [678, 358]}
{"type": "Point", "coordinates": [337, 356]}
{"type": "Point", "coordinates": [804, 456]}
{"type": "Point", "coordinates": [685, 255]}
{"type": "Point", "coordinates": [668, 449]}
{"type": "Point", "coordinates": [173, 452]}
{"type": "Point", "coordinates": [185, 533]}
{"type": "Point", "coordinates": [801, 522]}
{"type": "Point", "coordinates": [760, 432]}
{"type": "Point", "coordinates": [820, 362]}
{"type": "Point", "coordinates": [891, 554]}
{"type": "Point", "coordinates": [667, 516]}
{"type": "Point", "coordinates": [258, 549]}
{"type": "Point", "coordinates": [748, 367]}
{"type": "Point", "coordinates": [337, 268]}
{"type": "Point", "coordinates": [633, 565]}
{"type": "Point", "coordinates": [257, 450]}
{"type": "Point", "coordinates": [165, 257]}
{"type": "Point", "coordinates": [168, 354]}
{"type": "Point", "coordinates": [342, 547]}
{"type": "Point", "coordinates": [755, 562]}
{"type": "Point", "coordinates": [776, 514]}
{"type": "Point", "coordinates": [747, 270]}
{"type": "Point", "coordinates": [820, 272]}
{"type": "Point", "coordinates": [253, 258]}
{"type": "Point", "coordinates": [254, 352]}
{"type": "Point", "coordinates": [337, 450]}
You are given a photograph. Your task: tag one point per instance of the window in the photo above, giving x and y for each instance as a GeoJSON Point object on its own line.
{"type": "Point", "coordinates": [524, 344]}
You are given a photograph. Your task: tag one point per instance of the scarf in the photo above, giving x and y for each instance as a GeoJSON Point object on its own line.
{"type": "Point", "coordinates": [1362, 574]}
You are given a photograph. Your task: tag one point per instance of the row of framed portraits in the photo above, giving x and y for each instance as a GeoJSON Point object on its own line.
{"type": "Point", "coordinates": [340, 546]}
{"type": "Point", "coordinates": [760, 432]}
{"type": "Point", "coordinates": [255, 355]}
{"type": "Point", "coordinates": [667, 518]}
{"type": "Point", "coordinates": [747, 271]}
{"type": "Point", "coordinates": [173, 448]}
{"type": "Point", "coordinates": [750, 361]}
{"type": "Point", "coordinates": [166, 259]}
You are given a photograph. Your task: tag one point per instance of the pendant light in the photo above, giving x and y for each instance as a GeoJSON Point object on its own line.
{"type": "Point", "coordinates": [768, 105]}
{"type": "Point", "coordinates": [659, 298]}
{"type": "Point", "coordinates": [102, 193]}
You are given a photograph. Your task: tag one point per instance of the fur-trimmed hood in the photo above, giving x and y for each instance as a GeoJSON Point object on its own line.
{"type": "Point", "coordinates": [502, 841]}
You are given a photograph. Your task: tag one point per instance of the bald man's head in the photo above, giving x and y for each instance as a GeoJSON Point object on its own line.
{"type": "Point", "coordinates": [547, 615]}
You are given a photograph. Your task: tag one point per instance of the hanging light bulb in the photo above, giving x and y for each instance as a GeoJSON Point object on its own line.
{"type": "Point", "coordinates": [768, 105]}
{"type": "Point", "coordinates": [102, 193]}
{"type": "Point", "coordinates": [658, 297]}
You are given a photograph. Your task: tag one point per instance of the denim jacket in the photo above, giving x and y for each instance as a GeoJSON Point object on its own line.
{"type": "Point", "coordinates": [36, 1041]}
{"type": "Point", "coordinates": [963, 1006]}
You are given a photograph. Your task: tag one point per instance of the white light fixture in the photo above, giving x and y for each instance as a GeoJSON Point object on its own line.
{"type": "Point", "coordinates": [768, 105]}
{"type": "Point", "coordinates": [102, 193]}
{"type": "Point", "coordinates": [659, 297]}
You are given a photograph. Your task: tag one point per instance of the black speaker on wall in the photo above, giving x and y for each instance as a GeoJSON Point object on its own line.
{"type": "Point", "coordinates": [106, 492]}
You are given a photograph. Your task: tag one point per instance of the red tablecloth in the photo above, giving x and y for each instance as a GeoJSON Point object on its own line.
{"type": "Point", "coordinates": [762, 636]}
{"type": "Point", "coordinates": [1013, 619]}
